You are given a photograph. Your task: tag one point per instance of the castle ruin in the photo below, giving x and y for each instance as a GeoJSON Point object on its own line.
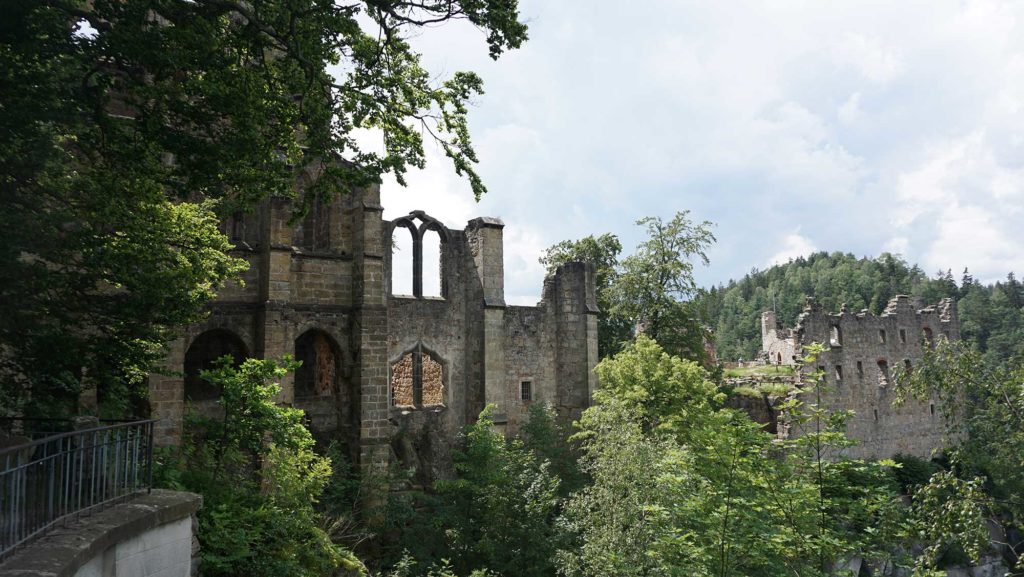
{"type": "Point", "coordinates": [861, 352]}
{"type": "Point", "coordinates": [390, 376]}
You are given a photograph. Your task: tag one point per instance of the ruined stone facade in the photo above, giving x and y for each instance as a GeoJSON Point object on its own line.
{"type": "Point", "coordinates": [388, 375]}
{"type": "Point", "coordinates": [861, 352]}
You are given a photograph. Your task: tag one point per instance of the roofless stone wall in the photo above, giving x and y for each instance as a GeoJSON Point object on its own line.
{"type": "Point", "coordinates": [862, 350]}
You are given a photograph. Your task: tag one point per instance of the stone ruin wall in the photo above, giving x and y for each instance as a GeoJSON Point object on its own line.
{"type": "Point", "coordinates": [862, 352]}
{"type": "Point", "coordinates": [391, 376]}
{"type": "Point", "coordinates": [481, 350]}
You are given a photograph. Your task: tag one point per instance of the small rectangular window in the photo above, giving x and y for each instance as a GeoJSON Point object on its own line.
{"type": "Point", "coordinates": [839, 372]}
{"type": "Point", "coordinates": [876, 414]}
{"type": "Point", "coordinates": [903, 336]}
{"type": "Point", "coordinates": [881, 336]}
{"type": "Point", "coordinates": [860, 369]}
{"type": "Point", "coordinates": [525, 391]}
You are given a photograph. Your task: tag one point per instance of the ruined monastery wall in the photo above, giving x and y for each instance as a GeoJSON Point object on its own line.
{"type": "Point", "coordinates": [393, 377]}
{"type": "Point", "coordinates": [862, 352]}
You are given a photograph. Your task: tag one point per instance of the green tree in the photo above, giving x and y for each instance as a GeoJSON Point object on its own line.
{"type": "Point", "coordinates": [260, 479]}
{"type": "Point", "coordinates": [648, 289]}
{"type": "Point", "coordinates": [684, 486]}
{"type": "Point", "coordinates": [118, 116]}
{"type": "Point", "coordinates": [499, 512]}
{"type": "Point", "coordinates": [983, 404]}
{"type": "Point", "coordinates": [657, 280]}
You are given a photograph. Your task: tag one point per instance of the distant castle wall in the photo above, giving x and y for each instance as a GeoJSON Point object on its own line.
{"type": "Point", "coordinates": [862, 351]}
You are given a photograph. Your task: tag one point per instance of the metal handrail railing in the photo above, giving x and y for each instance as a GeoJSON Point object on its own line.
{"type": "Point", "coordinates": [49, 480]}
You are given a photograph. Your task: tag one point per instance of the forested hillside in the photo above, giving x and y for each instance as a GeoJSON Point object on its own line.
{"type": "Point", "coordinates": [992, 316]}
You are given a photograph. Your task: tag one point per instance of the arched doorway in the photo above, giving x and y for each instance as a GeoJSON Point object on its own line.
{"type": "Point", "coordinates": [323, 388]}
{"type": "Point", "coordinates": [201, 356]}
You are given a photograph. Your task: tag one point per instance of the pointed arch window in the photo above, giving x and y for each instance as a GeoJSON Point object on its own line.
{"type": "Point", "coordinates": [417, 379]}
{"type": "Point", "coordinates": [427, 280]}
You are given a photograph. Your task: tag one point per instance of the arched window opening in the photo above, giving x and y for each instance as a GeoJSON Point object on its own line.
{"type": "Point", "coordinates": [314, 232]}
{"type": "Point", "coordinates": [321, 365]}
{"type": "Point", "coordinates": [417, 380]}
{"type": "Point", "coordinates": [426, 267]}
{"type": "Point", "coordinates": [402, 242]}
{"type": "Point", "coordinates": [778, 358]}
{"type": "Point", "coordinates": [431, 268]}
{"type": "Point", "coordinates": [202, 354]}
{"type": "Point", "coordinates": [836, 336]}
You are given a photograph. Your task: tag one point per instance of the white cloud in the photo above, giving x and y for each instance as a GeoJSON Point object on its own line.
{"type": "Point", "coordinates": [850, 112]}
{"type": "Point", "coordinates": [865, 127]}
{"type": "Point", "coordinates": [791, 246]}
{"type": "Point", "coordinates": [870, 56]}
{"type": "Point", "coordinates": [964, 205]}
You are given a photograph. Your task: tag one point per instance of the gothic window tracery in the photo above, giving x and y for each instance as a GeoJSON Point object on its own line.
{"type": "Point", "coordinates": [417, 380]}
{"type": "Point", "coordinates": [429, 240]}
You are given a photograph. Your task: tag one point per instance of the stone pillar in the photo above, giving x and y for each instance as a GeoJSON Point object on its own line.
{"type": "Point", "coordinates": [370, 330]}
{"type": "Point", "coordinates": [272, 340]}
{"type": "Point", "coordinates": [485, 238]}
{"type": "Point", "coordinates": [576, 348]}
{"type": "Point", "coordinates": [768, 325]}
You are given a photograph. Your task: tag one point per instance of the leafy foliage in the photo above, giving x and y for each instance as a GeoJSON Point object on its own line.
{"type": "Point", "coordinates": [649, 289]}
{"type": "Point", "coordinates": [128, 126]}
{"type": "Point", "coordinates": [984, 410]}
{"type": "Point", "coordinates": [498, 514]}
{"type": "Point", "coordinates": [683, 486]}
{"type": "Point", "coordinates": [260, 480]}
{"type": "Point", "coordinates": [991, 316]}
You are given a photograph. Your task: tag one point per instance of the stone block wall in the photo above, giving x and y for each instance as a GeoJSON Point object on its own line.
{"type": "Point", "coordinates": [862, 352]}
{"type": "Point", "coordinates": [323, 283]}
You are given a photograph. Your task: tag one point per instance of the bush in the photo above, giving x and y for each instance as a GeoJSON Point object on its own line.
{"type": "Point", "coordinates": [260, 480]}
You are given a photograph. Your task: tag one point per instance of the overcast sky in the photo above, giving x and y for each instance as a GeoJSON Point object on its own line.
{"type": "Point", "coordinates": [793, 126]}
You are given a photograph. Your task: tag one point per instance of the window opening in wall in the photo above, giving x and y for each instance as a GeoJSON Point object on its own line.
{"type": "Point", "coordinates": [417, 380]}
{"type": "Point", "coordinates": [321, 364]}
{"type": "Point", "coordinates": [836, 337]}
{"type": "Point", "coordinates": [431, 264]}
{"type": "Point", "coordinates": [876, 414]}
{"type": "Point", "coordinates": [926, 337]}
{"type": "Point", "coordinates": [883, 373]}
{"type": "Point", "coordinates": [931, 408]}
{"type": "Point", "coordinates": [526, 391]}
{"type": "Point", "coordinates": [401, 261]}
{"type": "Point", "coordinates": [860, 369]}
{"type": "Point", "coordinates": [316, 227]}
{"type": "Point", "coordinates": [821, 371]}
{"type": "Point", "coordinates": [427, 251]}
{"type": "Point", "coordinates": [881, 336]}
{"type": "Point", "coordinates": [839, 372]}
{"type": "Point", "coordinates": [908, 366]}
{"type": "Point", "coordinates": [202, 355]}
{"type": "Point", "coordinates": [778, 358]}
{"type": "Point", "coordinates": [903, 336]}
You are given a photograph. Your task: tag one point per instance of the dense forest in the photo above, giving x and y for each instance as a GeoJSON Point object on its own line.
{"type": "Point", "coordinates": [992, 315]}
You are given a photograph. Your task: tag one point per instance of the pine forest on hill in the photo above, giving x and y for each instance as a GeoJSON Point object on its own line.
{"type": "Point", "coordinates": [992, 315]}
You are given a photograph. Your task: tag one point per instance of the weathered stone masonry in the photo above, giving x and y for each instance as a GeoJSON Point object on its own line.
{"type": "Point", "coordinates": [391, 376]}
{"type": "Point", "coordinates": [861, 352]}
